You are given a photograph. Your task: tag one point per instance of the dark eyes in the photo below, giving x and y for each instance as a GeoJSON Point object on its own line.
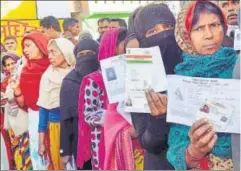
{"type": "Point", "coordinates": [215, 25]}
{"type": "Point", "coordinates": [167, 26]}
{"type": "Point", "coordinates": [224, 5]}
{"type": "Point", "coordinates": [13, 63]}
{"type": "Point", "coordinates": [52, 52]}
{"type": "Point", "coordinates": [235, 2]}
{"type": "Point", "coordinates": [197, 29]}
{"type": "Point", "coordinates": [152, 31]}
{"type": "Point", "coordinates": [11, 43]}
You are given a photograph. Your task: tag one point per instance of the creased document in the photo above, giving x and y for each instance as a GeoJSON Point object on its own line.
{"type": "Point", "coordinates": [192, 98]}
{"type": "Point", "coordinates": [144, 69]}
{"type": "Point", "coordinates": [113, 72]}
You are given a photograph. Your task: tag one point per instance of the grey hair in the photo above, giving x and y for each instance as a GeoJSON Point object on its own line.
{"type": "Point", "coordinates": [85, 35]}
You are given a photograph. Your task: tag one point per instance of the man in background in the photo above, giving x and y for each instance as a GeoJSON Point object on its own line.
{"type": "Point", "coordinates": [51, 27]}
{"type": "Point", "coordinates": [102, 26]}
{"type": "Point", "coordinates": [10, 43]}
{"type": "Point", "coordinates": [117, 23]}
{"type": "Point", "coordinates": [230, 9]}
{"type": "Point", "coordinates": [71, 29]}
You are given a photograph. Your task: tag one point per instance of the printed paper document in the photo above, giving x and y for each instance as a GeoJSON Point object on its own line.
{"type": "Point", "coordinates": [144, 69]}
{"type": "Point", "coordinates": [192, 98]}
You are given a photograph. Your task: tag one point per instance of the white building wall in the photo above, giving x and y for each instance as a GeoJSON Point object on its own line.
{"type": "Point", "coordinates": [126, 6]}
{"type": "Point", "coordinates": [120, 6]}
{"type": "Point", "coordinates": [115, 6]}
{"type": "Point", "coordinates": [58, 9]}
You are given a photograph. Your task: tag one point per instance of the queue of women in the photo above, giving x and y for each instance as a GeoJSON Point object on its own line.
{"type": "Point", "coordinates": [57, 110]}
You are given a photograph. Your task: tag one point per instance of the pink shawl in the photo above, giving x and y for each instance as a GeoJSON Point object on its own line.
{"type": "Point", "coordinates": [108, 43]}
{"type": "Point", "coordinates": [119, 152]}
{"type": "Point", "coordinates": [107, 49]}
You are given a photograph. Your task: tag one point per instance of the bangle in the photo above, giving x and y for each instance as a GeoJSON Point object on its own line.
{"type": "Point", "coordinates": [192, 158]}
{"type": "Point", "coordinates": [18, 95]}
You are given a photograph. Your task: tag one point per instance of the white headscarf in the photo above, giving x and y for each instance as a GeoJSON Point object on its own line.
{"type": "Point", "coordinates": [66, 47]}
{"type": "Point", "coordinates": [51, 80]}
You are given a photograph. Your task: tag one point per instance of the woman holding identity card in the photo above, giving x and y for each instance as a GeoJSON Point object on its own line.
{"type": "Point", "coordinates": [200, 30]}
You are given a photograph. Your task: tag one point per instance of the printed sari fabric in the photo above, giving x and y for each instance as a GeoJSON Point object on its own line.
{"type": "Point", "coordinates": [128, 151]}
{"type": "Point", "coordinates": [21, 151]}
{"type": "Point", "coordinates": [138, 155]}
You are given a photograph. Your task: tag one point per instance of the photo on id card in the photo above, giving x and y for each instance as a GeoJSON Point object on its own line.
{"type": "Point", "coordinates": [110, 74]}
{"type": "Point", "coordinates": [217, 113]}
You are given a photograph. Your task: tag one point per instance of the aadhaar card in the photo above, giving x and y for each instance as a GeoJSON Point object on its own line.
{"type": "Point", "coordinates": [217, 113]}
{"type": "Point", "coordinates": [144, 70]}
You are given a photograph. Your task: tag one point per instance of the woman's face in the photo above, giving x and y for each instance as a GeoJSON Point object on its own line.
{"type": "Point", "coordinates": [158, 28]}
{"type": "Point", "coordinates": [10, 65]}
{"type": "Point", "coordinates": [75, 30]}
{"type": "Point", "coordinates": [30, 50]}
{"type": "Point", "coordinates": [56, 57]}
{"type": "Point", "coordinates": [207, 35]}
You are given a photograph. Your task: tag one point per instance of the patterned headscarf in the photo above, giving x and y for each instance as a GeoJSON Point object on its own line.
{"type": "Point", "coordinates": [184, 24]}
{"type": "Point", "coordinates": [12, 55]}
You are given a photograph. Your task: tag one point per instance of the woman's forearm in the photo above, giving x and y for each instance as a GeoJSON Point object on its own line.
{"type": "Point", "coordinates": [19, 97]}
{"type": "Point", "coordinates": [41, 138]}
{"type": "Point", "coordinates": [192, 160]}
